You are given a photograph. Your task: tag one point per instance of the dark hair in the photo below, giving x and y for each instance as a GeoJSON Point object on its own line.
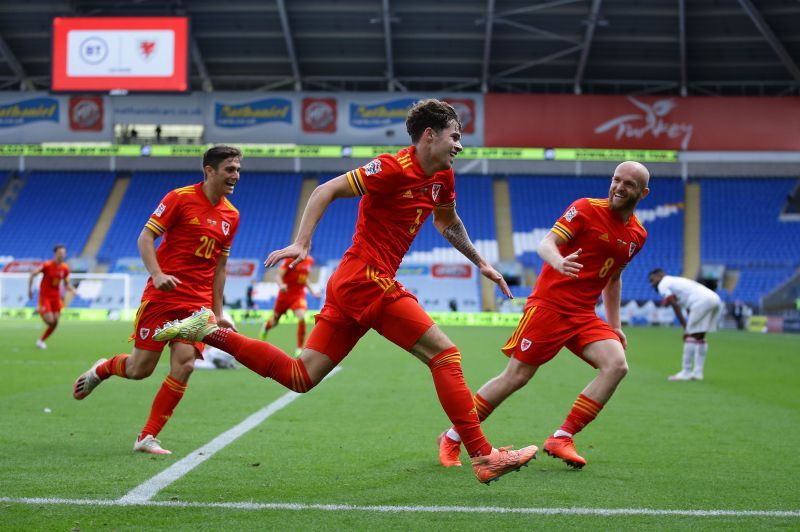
{"type": "Point", "coordinates": [430, 113]}
{"type": "Point", "coordinates": [213, 156]}
{"type": "Point", "coordinates": [58, 246]}
{"type": "Point", "coordinates": [656, 272]}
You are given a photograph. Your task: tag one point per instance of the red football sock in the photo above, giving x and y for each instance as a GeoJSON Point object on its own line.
{"type": "Point", "coordinates": [263, 358]}
{"type": "Point", "coordinates": [167, 398]}
{"type": "Point", "coordinates": [48, 332]}
{"type": "Point", "coordinates": [482, 406]}
{"type": "Point", "coordinates": [301, 334]}
{"type": "Point", "coordinates": [113, 366]}
{"type": "Point", "coordinates": [456, 401]}
{"type": "Point", "coordinates": [583, 412]}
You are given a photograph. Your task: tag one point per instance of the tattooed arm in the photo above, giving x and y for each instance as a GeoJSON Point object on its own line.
{"type": "Point", "coordinates": [452, 228]}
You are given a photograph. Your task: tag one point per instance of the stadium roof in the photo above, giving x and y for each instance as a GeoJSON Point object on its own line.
{"type": "Point", "coordinates": [694, 47]}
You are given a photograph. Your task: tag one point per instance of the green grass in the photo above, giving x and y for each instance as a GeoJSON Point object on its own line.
{"type": "Point", "coordinates": [367, 437]}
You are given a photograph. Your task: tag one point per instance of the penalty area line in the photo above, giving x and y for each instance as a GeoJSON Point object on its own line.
{"type": "Point", "coordinates": [149, 488]}
{"type": "Point", "coordinates": [603, 512]}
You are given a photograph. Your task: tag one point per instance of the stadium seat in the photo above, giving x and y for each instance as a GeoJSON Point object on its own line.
{"type": "Point", "coordinates": [741, 228]}
{"type": "Point", "coordinates": [54, 207]}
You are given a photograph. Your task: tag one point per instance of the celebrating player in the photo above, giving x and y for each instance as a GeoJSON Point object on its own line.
{"type": "Point", "coordinates": [703, 307]}
{"type": "Point", "coordinates": [292, 283]}
{"type": "Point", "coordinates": [585, 253]}
{"type": "Point", "coordinates": [54, 272]}
{"type": "Point", "coordinates": [398, 193]}
{"type": "Point", "coordinates": [197, 223]}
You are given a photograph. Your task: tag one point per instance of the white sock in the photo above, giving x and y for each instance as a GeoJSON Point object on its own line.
{"type": "Point", "coordinates": [559, 433]}
{"type": "Point", "coordinates": [453, 435]}
{"type": "Point", "coordinates": [689, 347]}
{"type": "Point", "coordinates": [700, 356]}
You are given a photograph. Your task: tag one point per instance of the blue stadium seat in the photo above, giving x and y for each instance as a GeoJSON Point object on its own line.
{"type": "Point", "coordinates": [55, 207]}
{"type": "Point", "coordinates": [741, 229]}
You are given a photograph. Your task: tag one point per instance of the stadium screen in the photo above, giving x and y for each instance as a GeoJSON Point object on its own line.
{"type": "Point", "coordinates": [133, 54]}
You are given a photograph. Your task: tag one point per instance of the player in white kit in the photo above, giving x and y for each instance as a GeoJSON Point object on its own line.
{"type": "Point", "coordinates": [703, 308]}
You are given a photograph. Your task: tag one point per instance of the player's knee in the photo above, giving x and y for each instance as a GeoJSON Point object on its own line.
{"type": "Point", "coordinates": [183, 370]}
{"type": "Point", "coordinates": [618, 368]}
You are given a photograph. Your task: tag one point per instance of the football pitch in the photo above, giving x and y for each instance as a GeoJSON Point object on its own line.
{"type": "Point", "coordinates": [359, 451]}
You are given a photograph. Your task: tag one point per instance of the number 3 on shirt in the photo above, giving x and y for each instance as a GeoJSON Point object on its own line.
{"type": "Point", "coordinates": [607, 265]}
{"type": "Point", "coordinates": [206, 249]}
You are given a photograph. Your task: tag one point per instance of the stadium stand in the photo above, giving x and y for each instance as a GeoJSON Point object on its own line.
{"type": "Point", "coordinates": [741, 228]}
{"type": "Point", "coordinates": [54, 207]}
{"type": "Point", "coordinates": [4, 178]}
{"type": "Point", "coordinates": [749, 237]}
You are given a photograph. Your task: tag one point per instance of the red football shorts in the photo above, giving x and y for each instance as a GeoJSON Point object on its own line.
{"type": "Point", "coordinates": [359, 297]}
{"type": "Point", "coordinates": [50, 304]}
{"type": "Point", "coordinates": [287, 301]}
{"type": "Point", "coordinates": [154, 314]}
{"type": "Point", "coordinates": [542, 333]}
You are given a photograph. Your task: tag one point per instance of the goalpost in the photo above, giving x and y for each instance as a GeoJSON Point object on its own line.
{"type": "Point", "coordinates": [98, 295]}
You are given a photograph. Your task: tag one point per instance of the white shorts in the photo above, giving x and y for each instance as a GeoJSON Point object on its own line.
{"type": "Point", "coordinates": [704, 316]}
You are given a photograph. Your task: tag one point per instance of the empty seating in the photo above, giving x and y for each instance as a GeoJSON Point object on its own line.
{"type": "Point", "coordinates": [741, 229]}
{"type": "Point", "coordinates": [54, 207]}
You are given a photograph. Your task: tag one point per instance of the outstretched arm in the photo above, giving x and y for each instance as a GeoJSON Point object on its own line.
{"type": "Point", "coordinates": [452, 228]}
{"type": "Point", "coordinates": [322, 196]}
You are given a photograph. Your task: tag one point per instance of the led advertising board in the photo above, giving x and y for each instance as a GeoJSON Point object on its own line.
{"type": "Point", "coordinates": [120, 54]}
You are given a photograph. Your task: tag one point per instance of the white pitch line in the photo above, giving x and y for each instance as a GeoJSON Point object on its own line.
{"type": "Point", "coordinates": [149, 488]}
{"type": "Point", "coordinates": [603, 512]}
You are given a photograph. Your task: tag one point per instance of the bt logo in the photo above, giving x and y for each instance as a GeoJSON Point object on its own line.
{"type": "Point", "coordinates": [94, 50]}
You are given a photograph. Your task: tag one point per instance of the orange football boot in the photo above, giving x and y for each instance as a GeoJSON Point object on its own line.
{"type": "Point", "coordinates": [501, 461]}
{"type": "Point", "coordinates": [448, 451]}
{"type": "Point", "coordinates": [564, 448]}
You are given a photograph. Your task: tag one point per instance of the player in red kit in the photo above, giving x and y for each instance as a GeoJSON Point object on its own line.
{"type": "Point", "coordinates": [584, 253]}
{"type": "Point", "coordinates": [54, 272]}
{"type": "Point", "coordinates": [292, 283]}
{"type": "Point", "coordinates": [398, 193]}
{"type": "Point", "coordinates": [196, 224]}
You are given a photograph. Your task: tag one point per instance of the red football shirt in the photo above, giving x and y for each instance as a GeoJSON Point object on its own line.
{"type": "Point", "coordinates": [52, 276]}
{"type": "Point", "coordinates": [607, 245]}
{"type": "Point", "coordinates": [397, 199]}
{"type": "Point", "coordinates": [194, 234]}
{"type": "Point", "coordinates": [295, 278]}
